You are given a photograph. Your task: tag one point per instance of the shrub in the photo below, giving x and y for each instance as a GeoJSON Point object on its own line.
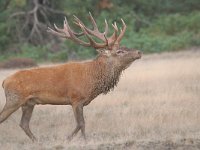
{"type": "Point", "coordinates": [18, 63]}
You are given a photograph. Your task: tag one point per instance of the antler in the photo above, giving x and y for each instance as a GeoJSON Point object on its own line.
{"type": "Point", "coordinates": [111, 43]}
{"type": "Point", "coordinates": [122, 31]}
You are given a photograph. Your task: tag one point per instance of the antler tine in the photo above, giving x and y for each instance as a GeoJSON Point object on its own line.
{"type": "Point", "coordinates": [113, 38]}
{"type": "Point", "coordinates": [95, 27]}
{"type": "Point", "coordinates": [92, 42]}
{"type": "Point", "coordinates": [58, 29]}
{"type": "Point", "coordinates": [73, 36]}
{"type": "Point", "coordinates": [122, 31]}
{"type": "Point", "coordinates": [93, 22]}
{"type": "Point", "coordinates": [95, 32]}
{"type": "Point", "coordinates": [65, 28]}
{"type": "Point", "coordinates": [106, 28]}
{"type": "Point", "coordinates": [106, 39]}
{"type": "Point", "coordinates": [77, 20]}
{"type": "Point", "coordinates": [56, 33]}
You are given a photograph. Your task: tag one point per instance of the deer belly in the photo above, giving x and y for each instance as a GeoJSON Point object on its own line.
{"type": "Point", "coordinates": [46, 98]}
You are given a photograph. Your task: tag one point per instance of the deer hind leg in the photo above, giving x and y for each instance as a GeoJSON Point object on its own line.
{"type": "Point", "coordinates": [12, 104]}
{"type": "Point", "coordinates": [78, 113]}
{"type": "Point", "coordinates": [27, 110]}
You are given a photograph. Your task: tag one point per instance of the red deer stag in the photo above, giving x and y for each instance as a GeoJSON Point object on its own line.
{"type": "Point", "coordinates": [73, 83]}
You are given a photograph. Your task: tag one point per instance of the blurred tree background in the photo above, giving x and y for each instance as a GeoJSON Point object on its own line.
{"type": "Point", "coordinates": [153, 26]}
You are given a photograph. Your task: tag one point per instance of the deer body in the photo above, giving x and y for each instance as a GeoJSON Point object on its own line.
{"type": "Point", "coordinates": [61, 84]}
{"type": "Point", "coordinates": [75, 83]}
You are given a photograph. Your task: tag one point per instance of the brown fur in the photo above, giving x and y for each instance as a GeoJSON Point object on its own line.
{"type": "Point", "coordinates": [75, 83]}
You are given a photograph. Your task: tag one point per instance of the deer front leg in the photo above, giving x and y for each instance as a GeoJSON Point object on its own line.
{"type": "Point", "coordinates": [78, 113]}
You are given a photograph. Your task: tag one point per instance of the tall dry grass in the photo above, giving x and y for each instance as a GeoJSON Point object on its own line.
{"type": "Point", "coordinates": [157, 99]}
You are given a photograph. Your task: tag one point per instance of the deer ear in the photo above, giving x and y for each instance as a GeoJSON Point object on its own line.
{"type": "Point", "coordinates": [104, 52]}
{"type": "Point", "coordinates": [100, 50]}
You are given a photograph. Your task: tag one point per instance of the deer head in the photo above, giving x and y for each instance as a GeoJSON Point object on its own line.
{"type": "Point", "coordinates": [110, 46]}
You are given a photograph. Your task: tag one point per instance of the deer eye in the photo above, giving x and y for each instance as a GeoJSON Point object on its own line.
{"type": "Point", "coordinates": [120, 52]}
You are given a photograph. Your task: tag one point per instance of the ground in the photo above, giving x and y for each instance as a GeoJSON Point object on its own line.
{"type": "Point", "coordinates": [156, 105]}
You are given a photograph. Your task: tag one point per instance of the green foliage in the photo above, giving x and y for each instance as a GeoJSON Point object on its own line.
{"type": "Point", "coordinates": [173, 24]}
{"type": "Point", "coordinates": [18, 3]}
{"type": "Point", "coordinates": [42, 53]}
{"type": "Point", "coordinates": [4, 39]}
{"type": "Point", "coordinates": [157, 43]}
{"type": "Point", "coordinates": [153, 26]}
{"type": "Point", "coordinates": [78, 52]}
{"type": "Point", "coordinates": [167, 33]}
{"type": "Point", "coordinates": [152, 8]}
{"type": "Point", "coordinates": [35, 52]}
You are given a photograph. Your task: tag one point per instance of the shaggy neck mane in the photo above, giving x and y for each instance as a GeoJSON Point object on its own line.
{"type": "Point", "coordinates": [106, 75]}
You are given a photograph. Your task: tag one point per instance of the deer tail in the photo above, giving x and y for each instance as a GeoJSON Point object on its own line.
{"type": "Point", "coordinates": [3, 84]}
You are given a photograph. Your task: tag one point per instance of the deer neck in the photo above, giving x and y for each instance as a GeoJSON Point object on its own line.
{"type": "Point", "coordinates": [106, 75]}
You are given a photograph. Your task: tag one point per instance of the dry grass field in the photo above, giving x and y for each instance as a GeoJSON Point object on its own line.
{"type": "Point", "coordinates": [155, 106]}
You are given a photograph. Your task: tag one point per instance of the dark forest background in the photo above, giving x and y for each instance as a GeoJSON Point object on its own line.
{"type": "Point", "coordinates": [153, 26]}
